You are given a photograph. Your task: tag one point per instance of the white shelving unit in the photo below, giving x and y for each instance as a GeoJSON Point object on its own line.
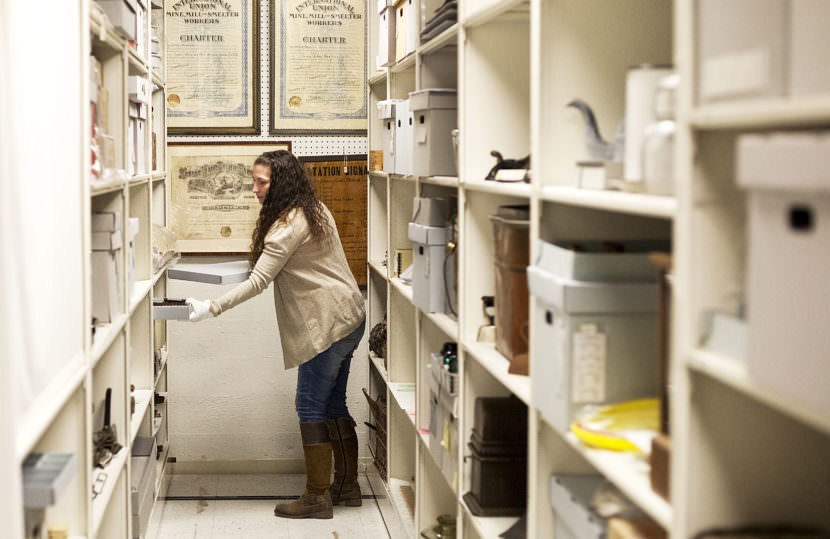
{"type": "Point", "coordinates": [64, 415]}
{"type": "Point", "coordinates": [741, 453]}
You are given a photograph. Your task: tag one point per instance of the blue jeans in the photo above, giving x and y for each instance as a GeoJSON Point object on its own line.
{"type": "Point", "coordinates": [321, 381]}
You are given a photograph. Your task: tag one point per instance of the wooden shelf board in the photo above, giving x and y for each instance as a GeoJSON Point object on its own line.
{"type": "Point", "coordinates": [763, 113]}
{"type": "Point", "coordinates": [378, 363]}
{"type": "Point", "coordinates": [142, 404]}
{"type": "Point", "coordinates": [378, 268]}
{"type": "Point", "coordinates": [487, 527]}
{"type": "Point", "coordinates": [630, 473]}
{"type": "Point", "coordinates": [444, 181]}
{"type": "Point", "coordinates": [403, 393]}
{"type": "Point", "coordinates": [733, 373]}
{"type": "Point", "coordinates": [446, 324]}
{"type": "Point", "coordinates": [447, 38]}
{"type": "Point", "coordinates": [407, 63]}
{"type": "Point", "coordinates": [40, 413]}
{"type": "Point", "coordinates": [113, 471]}
{"type": "Point", "coordinates": [378, 77]}
{"type": "Point", "coordinates": [101, 188]}
{"type": "Point", "coordinates": [513, 189]}
{"type": "Point", "coordinates": [498, 11]}
{"type": "Point", "coordinates": [403, 288]}
{"type": "Point", "coordinates": [139, 292]}
{"type": "Point", "coordinates": [105, 336]}
{"type": "Point", "coordinates": [617, 201]}
{"type": "Point", "coordinates": [496, 364]}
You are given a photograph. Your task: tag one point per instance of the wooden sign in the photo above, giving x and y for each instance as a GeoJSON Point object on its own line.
{"type": "Point", "coordinates": [340, 182]}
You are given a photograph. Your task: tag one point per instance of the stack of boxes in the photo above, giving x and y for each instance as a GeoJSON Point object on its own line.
{"type": "Point", "coordinates": [106, 266]}
{"type": "Point", "coordinates": [596, 326]}
{"type": "Point", "coordinates": [432, 287]}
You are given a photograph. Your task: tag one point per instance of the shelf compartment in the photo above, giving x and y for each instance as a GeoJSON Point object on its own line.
{"type": "Point", "coordinates": [487, 527]}
{"type": "Point", "coordinates": [578, 61]}
{"type": "Point", "coordinates": [803, 111]}
{"type": "Point", "coordinates": [616, 201]}
{"type": "Point", "coordinates": [495, 58]}
{"type": "Point", "coordinates": [378, 222]}
{"type": "Point", "coordinates": [142, 404]}
{"type": "Point", "coordinates": [105, 336]}
{"type": "Point", "coordinates": [40, 413]}
{"type": "Point", "coordinates": [733, 373]}
{"type": "Point", "coordinates": [436, 495]}
{"type": "Point", "coordinates": [114, 483]}
{"type": "Point", "coordinates": [493, 362]}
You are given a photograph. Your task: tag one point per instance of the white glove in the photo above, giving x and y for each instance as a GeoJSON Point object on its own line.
{"type": "Point", "coordinates": [199, 310]}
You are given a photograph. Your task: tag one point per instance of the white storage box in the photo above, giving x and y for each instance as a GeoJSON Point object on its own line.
{"type": "Point", "coordinates": [222, 273]}
{"type": "Point", "coordinates": [434, 114]}
{"type": "Point", "coordinates": [122, 15]}
{"type": "Point", "coordinates": [809, 47]}
{"type": "Point", "coordinates": [406, 29]}
{"type": "Point", "coordinates": [570, 496]}
{"type": "Point", "coordinates": [386, 113]}
{"type": "Point", "coordinates": [429, 270]}
{"type": "Point", "coordinates": [403, 139]}
{"type": "Point", "coordinates": [592, 263]}
{"type": "Point", "coordinates": [139, 89]}
{"type": "Point", "coordinates": [170, 312]}
{"type": "Point", "coordinates": [595, 343]}
{"type": "Point", "coordinates": [386, 34]}
{"type": "Point", "coordinates": [742, 48]}
{"type": "Point", "coordinates": [788, 292]}
{"type": "Point", "coordinates": [429, 211]}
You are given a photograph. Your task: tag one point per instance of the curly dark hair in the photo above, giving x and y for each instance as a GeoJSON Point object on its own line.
{"type": "Point", "coordinates": [290, 188]}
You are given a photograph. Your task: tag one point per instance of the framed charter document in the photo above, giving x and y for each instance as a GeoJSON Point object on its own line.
{"type": "Point", "coordinates": [340, 182]}
{"type": "Point", "coordinates": [318, 66]}
{"type": "Point", "coordinates": [212, 67]}
{"type": "Point", "coordinates": [212, 207]}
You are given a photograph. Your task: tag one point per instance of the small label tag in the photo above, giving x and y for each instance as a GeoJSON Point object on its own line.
{"type": "Point", "coordinates": [588, 370]}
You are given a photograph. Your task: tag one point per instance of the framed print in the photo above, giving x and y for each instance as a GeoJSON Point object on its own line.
{"type": "Point", "coordinates": [318, 67]}
{"type": "Point", "coordinates": [340, 182]}
{"type": "Point", "coordinates": [212, 67]}
{"type": "Point", "coordinates": [212, 207]}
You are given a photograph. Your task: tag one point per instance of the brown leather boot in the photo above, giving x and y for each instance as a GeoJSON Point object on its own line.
{"type": "Point", "coordinates": [315, 501]}
{"type": "Point", "coordinates": [343, 437]}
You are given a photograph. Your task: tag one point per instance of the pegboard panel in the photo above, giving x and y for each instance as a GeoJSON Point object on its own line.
{"type": "Point", "coordinates": [300, 145]}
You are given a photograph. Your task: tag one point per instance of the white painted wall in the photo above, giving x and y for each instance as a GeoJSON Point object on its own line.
{"type": "Point", "coordinates": [230, 397]}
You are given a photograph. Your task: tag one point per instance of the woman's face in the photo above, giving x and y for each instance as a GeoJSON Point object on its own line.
{"type": "Point", "coordinates": [262, 181]}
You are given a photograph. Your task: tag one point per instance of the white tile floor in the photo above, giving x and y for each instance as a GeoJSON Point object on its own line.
{"type": "Point", "coordinates": [197, 508]}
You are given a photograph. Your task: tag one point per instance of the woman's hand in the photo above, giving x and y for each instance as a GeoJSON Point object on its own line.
{"type": "Point", "coordinates": [199, 310]}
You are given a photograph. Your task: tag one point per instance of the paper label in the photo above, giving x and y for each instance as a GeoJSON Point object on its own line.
{"type": "Point", "coordinates": [588, 370]}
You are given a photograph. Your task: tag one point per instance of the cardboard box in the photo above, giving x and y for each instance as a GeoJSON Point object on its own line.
{"type": "Point", "coordinates": [222, 273]}
{"type": "Point", "coordinates": [435, 115]}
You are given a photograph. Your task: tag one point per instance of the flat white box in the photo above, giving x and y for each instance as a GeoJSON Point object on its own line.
{"type": "Point", "coordinates": [742, 49]}
{"type": "Point", "coordinates": [596, 343]}
{"type": "Point", "coordinates": [122, 15]}
{"type": "Point", "coordinates": [428, 271]}
{"type": "Point", "coordinates": [106, 241]}
{"type": "Point", "coordinates": [572, 498]}
{"type": "Point", "coordinates": [592, 263]}
{"type": "Point", "coordinates": [170, 312]}
{"type": "Point", "coordinates": [106, 221]}
{"type": "Point", "coordinates": [435, 115]}
{"type": "Point", "coordinates": [386, 34]}
{"type": "Point", "coordinates": [221, 273]}
{"type": "Point", "coordinates": [788, 292]}
{"type": "Point", "coordinates": [809, 47]}
{"type": "Point", "coordinates": [403, 139]}
{"type": "Point", "coordinates": [139, 89]}
{"type": "Point", "coordinates": [386, 113]}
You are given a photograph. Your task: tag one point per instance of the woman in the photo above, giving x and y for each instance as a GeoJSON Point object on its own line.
{"type": "Point", "coordinates": [321, 318]}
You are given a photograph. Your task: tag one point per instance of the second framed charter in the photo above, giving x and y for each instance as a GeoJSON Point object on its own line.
{"type": "Point", "coordinates": [212, 67]}
{"type": "Point", "coordinates": [212, 206]}
{"type": "Point", "coordinates": [318, 66]}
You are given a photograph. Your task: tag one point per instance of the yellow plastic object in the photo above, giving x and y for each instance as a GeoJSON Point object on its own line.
{"type": "Point", "coordinates": [606, 427]}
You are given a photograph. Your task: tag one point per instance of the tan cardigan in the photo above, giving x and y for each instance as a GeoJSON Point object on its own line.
{"type": "Point", "coordinates": [315, 294]}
